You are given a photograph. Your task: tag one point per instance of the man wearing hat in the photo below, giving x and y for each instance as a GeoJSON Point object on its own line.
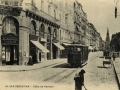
{"type": "Point", "coordinates": [79, 80]}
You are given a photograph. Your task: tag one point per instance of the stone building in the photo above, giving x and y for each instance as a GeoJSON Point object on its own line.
{"type": "Point", "coordinates": [38, 28]}
{"type": "Point", "coordinates": [92, 35]}
{"type": "Point", "coordinates": [66, 31]}
{"type": "Point", "coordinates": [80, 23]}
{"type": "Point", "coordinates": [28, 28]}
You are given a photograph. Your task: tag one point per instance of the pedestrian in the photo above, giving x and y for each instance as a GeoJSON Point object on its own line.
{"type": "Point", "coordinates": [79, 80]}
{"type": "Point", "coordinates": [113, 57]}
{"type": "Point", "coordinates": [30, 62]}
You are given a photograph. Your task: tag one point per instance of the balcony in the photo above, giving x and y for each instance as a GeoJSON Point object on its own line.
{"type": "Point", "coordinates": [11, 2]}
{"type": "Point", "coordinates": [33, 10]}
{"type": "Point", "coordinates": [8, 7]}
{"type": "Point", "coordinates": [48, 17]}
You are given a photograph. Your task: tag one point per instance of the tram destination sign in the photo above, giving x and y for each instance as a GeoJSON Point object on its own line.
{"type": "Point", "coordinates": [9, 39]}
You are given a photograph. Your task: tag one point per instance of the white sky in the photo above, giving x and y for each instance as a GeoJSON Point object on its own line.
{"type": "Point", "coordinates": [101, 14]}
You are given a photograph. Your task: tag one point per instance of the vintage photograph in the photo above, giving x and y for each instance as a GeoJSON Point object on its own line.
{"type": "Point", "coordinates": [59, 45]}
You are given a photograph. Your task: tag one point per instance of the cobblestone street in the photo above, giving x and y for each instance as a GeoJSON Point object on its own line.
{"type": "Point", "coordinates": [99, 78]}
{"type": "Point", "coordinates": [61, 75]}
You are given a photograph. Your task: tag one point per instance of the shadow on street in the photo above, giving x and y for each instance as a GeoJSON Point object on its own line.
{"type": "Point", "coordinates": [64, 65]}
{"type": "Point", "coordinates": [102, 67]}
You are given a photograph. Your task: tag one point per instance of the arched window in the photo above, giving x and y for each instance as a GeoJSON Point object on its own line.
{"type": "Point", "coordinates": [33, 28]}
{"type": "Point", "coordinates": [54, 13]}
{"type": "Point", "coordinates": [49, 10]}
{"type": "Point", "coordinates": [9, 26]}
{"type": "Point", "coordinates": [49, 32]}
{"type": "Point", "coordinates": [42, 5]}
{"type": "Point", "coordinates": [42, 30]}
{"type": "Point", "coordinates": [55, 33]}
{"type": "Point", "coordinates": [60, 35]}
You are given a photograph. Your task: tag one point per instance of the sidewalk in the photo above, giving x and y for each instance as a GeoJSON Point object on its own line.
{"type": "Point", "coordinates": [116, 65]}
{"type": "Point", "coordinates": [17, 68]}
{"type": "Point", "coordinates": [43, 64]}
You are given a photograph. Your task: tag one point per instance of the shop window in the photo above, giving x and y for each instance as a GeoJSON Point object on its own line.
{"type": "Point", "coordinates": [3, 53]}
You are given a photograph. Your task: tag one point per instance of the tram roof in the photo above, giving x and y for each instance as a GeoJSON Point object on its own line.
{"type": "Point", "coordinates": [77, 45]}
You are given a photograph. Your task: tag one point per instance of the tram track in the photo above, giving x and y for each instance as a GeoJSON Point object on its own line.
{"type": "Point", "coordinates": [47, 66]}
{"type": "Point", "coordinates": [55, 75]}
{"type": "Point", "coordinates": [59, 80]}
{"type": "Point", "coordinates": [60, 76]}
{"type": "Point", "coordinates": [56, 64]}
{"type": "Point", "coordinates": [56, 78]}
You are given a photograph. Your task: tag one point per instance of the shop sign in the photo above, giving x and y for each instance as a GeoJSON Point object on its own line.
{"type": "Point", "coordinates": [33, 37]}
{"type": "Point", "coordinates": [9, 39]}
{"type": "Point", "coordinates": [55, 40]}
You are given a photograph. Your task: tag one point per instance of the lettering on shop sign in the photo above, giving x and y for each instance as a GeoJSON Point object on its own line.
{"type": "Point", "coordinates": [9, 39]}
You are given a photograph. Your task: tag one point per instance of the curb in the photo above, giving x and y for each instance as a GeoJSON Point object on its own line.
{"type": "Point", "coordinates": [116, 76]}
{"type": "Point", "coordinates": [29, 69]}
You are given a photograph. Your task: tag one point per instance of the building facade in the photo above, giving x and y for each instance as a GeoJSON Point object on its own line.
{"type": "Point", "coordinates": [28, 28]}
{"type": "Point", "coordinates": [80, 23]}
{"type": "Point", "coordinates": [38, 28]}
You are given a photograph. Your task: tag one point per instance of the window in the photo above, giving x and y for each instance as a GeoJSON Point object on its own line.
{"type": "Point", "coordinates": [16, 3]}
{"type": "Point", "coordinates": [12, 2]}
{"type": "Point", "coordinates": [9, 26]}
{"type": "Point", "coordinates": [54, 13]}
{"type": "Point", "coordinates": [49, 10]}
{"type": "Point", "coordinates": [42, 30]}
{"type": "Point", "coordinates": [6, 2]}
{"type": "Point", "coordinates": [32, 28]}
{"type": "Point", "coordinates": [55, 33]}
{"type": "Point", "coordinates": [42, 5]}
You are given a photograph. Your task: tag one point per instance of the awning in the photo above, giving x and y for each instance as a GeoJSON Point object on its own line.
{"type": "Point", "coordinates": [43, 40]}
{"type": "Point", "coordinates": [40, 46]}
{"type": "Point", "coordinates": [96, 48]}
{"type": "Point", "coordinates": [90, 48]}
{"type": "Point", "coordinates": [66, 44]}
{"type": "Point", "coordinates": [59, 46]}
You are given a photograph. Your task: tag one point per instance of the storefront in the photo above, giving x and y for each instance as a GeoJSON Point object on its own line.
{"type": "Point", "coordinates": [56, 50]}
{"type": "Point", "coordinates": [10, 41]}
{"type": "Point", "coordinates": [10, 49]}
{"type": "Point", "coordinates": [36, 48]}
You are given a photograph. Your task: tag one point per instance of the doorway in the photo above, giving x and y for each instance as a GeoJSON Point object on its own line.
{"type": "Point", "coordinates": [10, 55]}
{"type": "Point", "coordinates": [33, 52]}
{"type": "Point", "coordinates": [54, 52]}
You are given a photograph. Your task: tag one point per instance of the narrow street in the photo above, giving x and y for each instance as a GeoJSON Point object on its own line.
{"type": "Point", "coordinates": [61, 74]}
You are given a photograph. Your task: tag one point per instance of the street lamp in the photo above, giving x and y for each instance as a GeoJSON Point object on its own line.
{"type": "Point", "coordinates": [116, 1]}
{"type": "Point", "coordinates": [115, 12]}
